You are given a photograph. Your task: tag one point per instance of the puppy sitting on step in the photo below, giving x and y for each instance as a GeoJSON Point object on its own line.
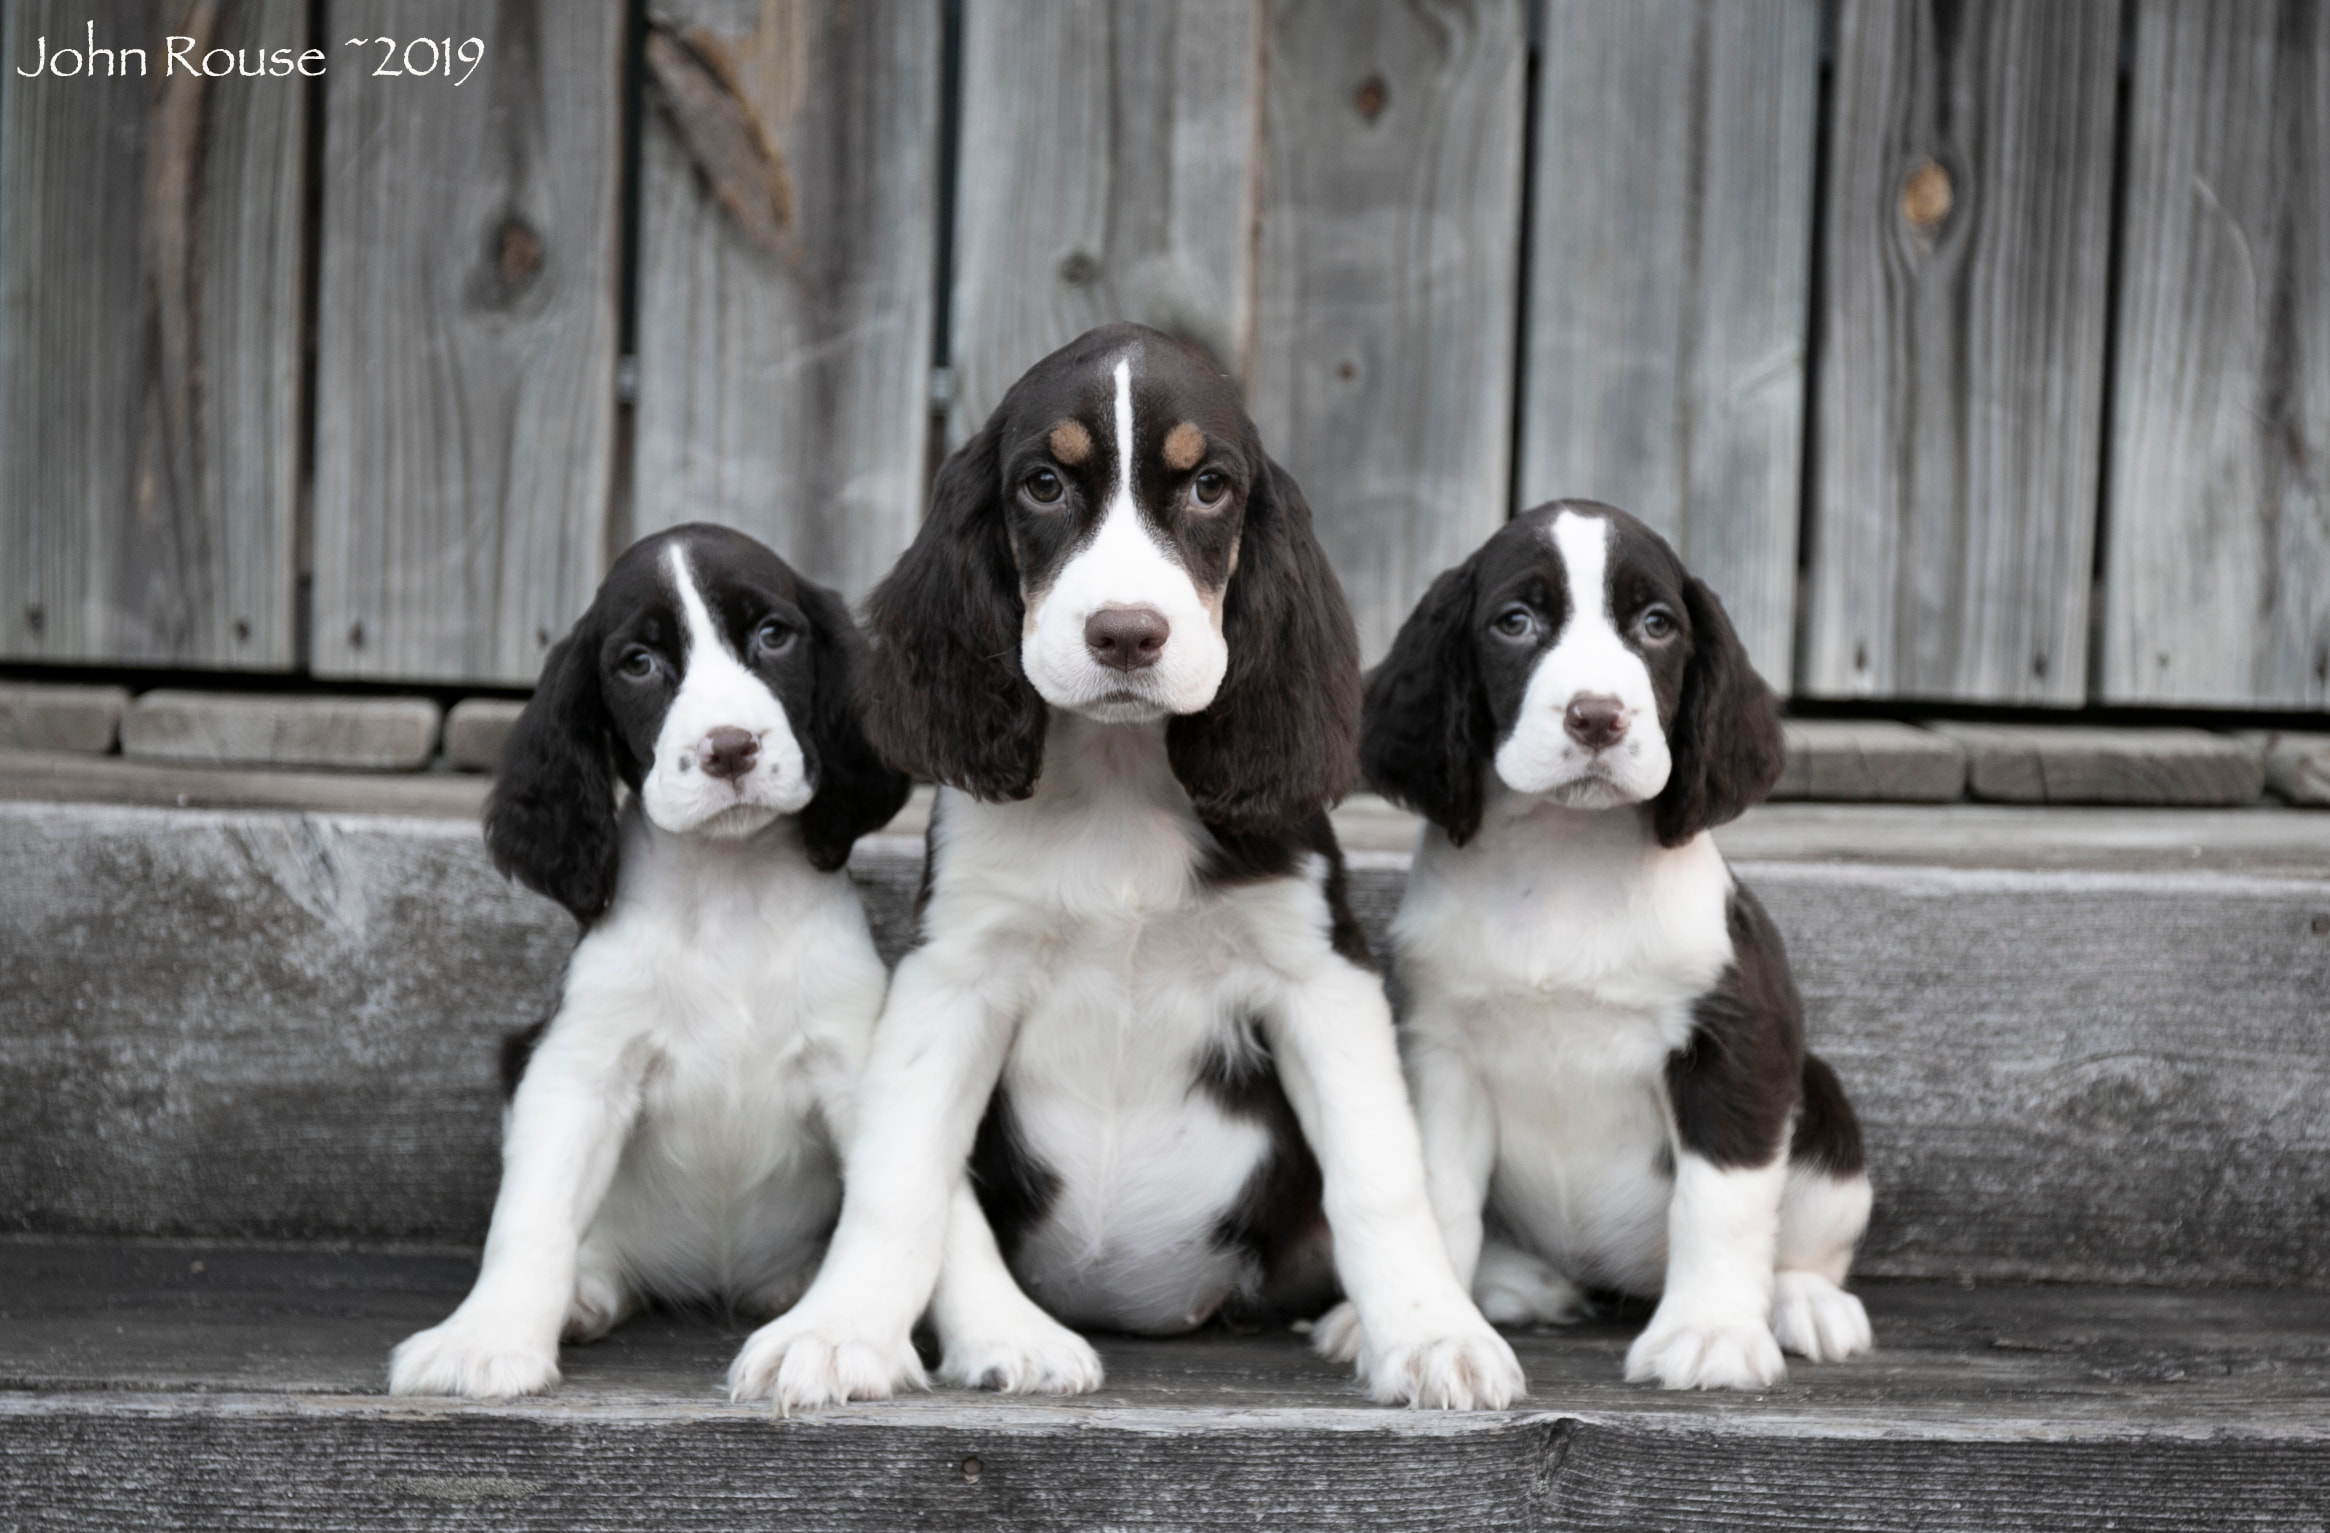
{"type": "Point", "coordinates": [1604, 1045]}
{"type": "Point", "coordinates": [673, 1128]}
{"type": "Point", "coordinates": [1141, 1015]}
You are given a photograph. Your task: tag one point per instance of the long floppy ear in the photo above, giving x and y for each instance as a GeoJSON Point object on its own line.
{"type": "Point", "coordinates": [857, 791]}
{"type": "Point", "coordinates": [1725, 738]}
{"type": "Point", "coordinates": [550, 820]}
{"type": "Point", "coordinates": [1427, 734]}
{"type": "Point", "coordinates": [946, 699]}
{"type": "Point", "coordinates": [1278, 742]}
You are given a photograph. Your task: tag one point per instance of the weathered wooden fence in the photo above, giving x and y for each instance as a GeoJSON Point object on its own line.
{"type": "Point", "coordinates": [1978, 350]}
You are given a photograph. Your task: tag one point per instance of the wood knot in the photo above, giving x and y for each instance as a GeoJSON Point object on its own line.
{"type": "Point", "coordinates": [520, 253]}
{"type": "Point", "coordinates": [1371, 98]}
{"type": "Point", "coordinates": [1926, 198]}
{"type": "Point", "coordinates": [972, 1469]}
{"type": "Point", "coordinates": [1079, 268]}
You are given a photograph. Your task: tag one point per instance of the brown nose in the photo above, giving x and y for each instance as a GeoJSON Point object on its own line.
{"type": "Point", "coordinates": [1595, 722]}
{"type": "Point", "coordinates": [1126, 638]}
{"type": "Point", "coordinates": [729, 752]}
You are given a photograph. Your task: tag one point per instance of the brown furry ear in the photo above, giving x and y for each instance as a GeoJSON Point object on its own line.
{"type": "Point", "coordinates": [1725, 737]}
{"type": "Point", "coordinates": [1426, 736]}
{"type": "Point", "coordinates": [550, 819]}
{"type": "Point", "coordinates": [945, 697]}
{"type": "Point", "coordinates": [857, 791]}
{"type": "Point", "coordinates": [1278, 743]}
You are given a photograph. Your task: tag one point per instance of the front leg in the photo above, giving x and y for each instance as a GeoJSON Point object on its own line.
{"type": "Point", "coordinates": [1422, 1341]}
{"type": "Point", "coordinates": [1730, 1093]}
{"type": "Point", "coordinates": [1455, 1119]}
{"type": "Point", "coordinates": [567, 1123]}
{"type": "Point", "coordinates": [992, 1334]}
{"type": "Point", "coordinates": [936, 1054]}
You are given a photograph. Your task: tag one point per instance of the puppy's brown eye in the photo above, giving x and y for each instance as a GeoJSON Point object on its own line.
{"type": "Point", "coordinates": [772, 636]}
{"type": "Point", "coordinates": [1657, 623]}
{"type": "Point", "coordinates": [1210, 486]}
{"type": "Point", "coordinates": [1515, 622]}
{"type": "Point", "coordinates": [1043, 486]}
{"type": "Point", "coordinates": [638, 662]}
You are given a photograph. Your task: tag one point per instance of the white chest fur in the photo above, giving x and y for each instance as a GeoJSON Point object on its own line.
{"type": "Point", "coordinates": [737, 980]}
{"type": "Point", "coordinates": [1559, 955]}
{"type": "Point", "coordinates": [1124, 971]}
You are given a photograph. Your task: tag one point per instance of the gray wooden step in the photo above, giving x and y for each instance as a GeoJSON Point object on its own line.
{"type": "Point", "coordinates": [162, 1384]}
{"type": "Point", "coordinates": [2087, 1045]}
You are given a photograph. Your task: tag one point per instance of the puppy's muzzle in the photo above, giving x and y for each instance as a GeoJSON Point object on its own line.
{"type": "Point", "coordinates": [728, 753]}
{"type": "Point", "coordinates": [1127, 638]}
{"type": "Point", "coordinates": [1594, 721]}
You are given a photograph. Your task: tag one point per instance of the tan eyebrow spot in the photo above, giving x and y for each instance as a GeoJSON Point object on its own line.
{"type": "Point", "coordinates": [1071, 443]}
{"type": "Point", "coordinates": [1184, 445]}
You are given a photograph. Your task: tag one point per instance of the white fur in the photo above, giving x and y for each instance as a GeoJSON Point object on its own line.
{"type": "Point", "coordinates": [674, 1132]}
{"type": "Point", "coordinates": [1125, 564]}
{"type": "Point", "coordinates": [1551, 965]}
{"type": "Point", "coordinates": [716, 691]}
{"type": "Point", "coordinates": [1073, 953]}
{"type": "Point", "coordinates": [1588, 658]}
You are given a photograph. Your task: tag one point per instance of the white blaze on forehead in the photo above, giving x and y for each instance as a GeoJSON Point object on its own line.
{"type": "Point", "coordinates": [716, 691]}
{"type": "Point", "coordinates": [1127, 563]}
{"type": "Point", "coordinates": [1588, 659]}
{"type": "Point", "coordinates": [1584, 545]}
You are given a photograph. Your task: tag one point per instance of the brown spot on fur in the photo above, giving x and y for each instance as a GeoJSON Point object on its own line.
{"type": "Point", "coordinates": [1184, 445]}
{"type": "Point", "coordinates": [1071, 443]}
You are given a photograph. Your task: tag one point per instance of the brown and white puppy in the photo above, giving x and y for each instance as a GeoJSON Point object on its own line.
{"type": "Point", "coordinates": [1139, 993]}
{"type": "Point", "coordinates": [1605, 1046]}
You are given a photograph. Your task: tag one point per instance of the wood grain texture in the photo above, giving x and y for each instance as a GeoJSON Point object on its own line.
{"type": "Point", "coordinates": [787, 272]}
{"type": "Point", "coordinates": [2217, 543]}
{"type": "Point", "coordinates": [274, 1024]}
{"type": "Point", "coordinates": [1966, 248]}
{"type": "Point", "coordinates": [466, 345]}
{"type": "Point", "coordinates": [1123, 189]}
{"type": "Point", "coordinates": [176, 1384]}
{"type": "Point", "coordinates": [1669, 284]}
{"type": "Point", "coordinates": [1387, 291]}
{"type": "Point", "coordinates": [151, 228]}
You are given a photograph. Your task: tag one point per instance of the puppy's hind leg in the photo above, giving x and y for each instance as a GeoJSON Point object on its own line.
{"type": "Point", "coordinates": [1821, 1219]}
{"type": "Point", "coordinates": [603, 1297]}
{"type": "Point", "coordinates": [1823, 1212]}
{"type": "Point", "coordinates": [1515, 1288]}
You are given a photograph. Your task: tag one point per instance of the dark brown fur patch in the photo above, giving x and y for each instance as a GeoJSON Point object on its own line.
{"type": "Point", "coordinates": [1071, 443]}
{"type": "Point", "coordinates": [1184, 445]}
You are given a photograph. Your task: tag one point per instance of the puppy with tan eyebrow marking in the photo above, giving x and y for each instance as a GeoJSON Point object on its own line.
{"type": "Point", "coordinates": [1141, 1018]}
{"type": "Point", "coordinates": [1606, 1048]}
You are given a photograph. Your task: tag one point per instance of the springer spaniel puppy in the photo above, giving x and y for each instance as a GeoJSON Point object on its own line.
{"type": "Point", "coordinates": [1140, 1008]}
{"type": "Point", "coordinates": [672, 1129]}
{"type": "Point", "coordinates": [1604, 1044]}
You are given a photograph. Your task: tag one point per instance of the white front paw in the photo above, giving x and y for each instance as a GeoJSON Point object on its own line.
{"type": "Point", "coordinates": [465, 1358]}
{"type": "Point", "coordinates": [1337, 1336]}
{"type": "Point", "coordinates": [1687, 1353]}
{"type": "Point", "coordinates": [804, 1359]}
{"type": "Point", "coordinates": [1815, 1319]}
{"type": "Point", "coordinates": [1029, 1354]}
{"type": "Point", "coordinates": [1463, 1367]}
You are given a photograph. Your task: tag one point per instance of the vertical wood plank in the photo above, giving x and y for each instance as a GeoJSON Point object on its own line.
{"type": "Point", "coordinates": [1669, 283]}
{"type": "Point", "coordinates": [1124, 189]}
{"type": "Point", "coordinates": [2217, 540]}
{"type": "Point", "coordinates": [151, 227]}
{"type": "Point", "coordinates": [1386, 296]}
{"type": "Point", "coordinates": [788, 257]}
{"type": "Point", "coordinates": [466, 348]}
{"type": "Point", "coordinates": [1960, 377]}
